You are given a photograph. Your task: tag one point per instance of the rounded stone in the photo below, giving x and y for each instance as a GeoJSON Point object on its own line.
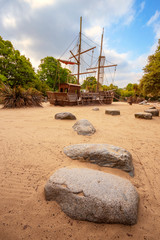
{"type": "Point", "coordinates": [143, 115]}
{"type": "Point", "coordinates": [112, 112]}
{"type": "Point", "coordinates": [152, 107]}
{"type": "Point", "coordinates": [92, 195]}
{"type": "Point", "coordinates": [95, 109]}
{"type": "Point", "coordinates": [104, 155]}
{"type": "Point", "coordinates": [84, 127]}
{"type": "Point", "coordinates": [65, 115]}
{"type": "Point", "coordinates": [154, 112]}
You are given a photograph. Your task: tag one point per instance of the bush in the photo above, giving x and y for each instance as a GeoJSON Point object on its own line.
{"type": "Point", "coordinates": [19, 97]}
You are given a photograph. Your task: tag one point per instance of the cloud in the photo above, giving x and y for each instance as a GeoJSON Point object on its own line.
{"type": "Point", "coordinates": [154, 18]}
{"type": "Point", "coordinates": [40, 28]}
{"type": "Point", "coordinates": [40, 3]}
{"type": "Point", "coordinates": [142, 5]}
{"type": "Point", "coordinates": [9, 21]}
{"type": "Point", "coordinates": [93, 31]}
{"type": "Point", "coordinates": [154, 22]}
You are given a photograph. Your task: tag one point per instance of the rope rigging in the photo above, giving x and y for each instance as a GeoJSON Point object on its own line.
{"type": "Point", "coordinates": [87, 60]}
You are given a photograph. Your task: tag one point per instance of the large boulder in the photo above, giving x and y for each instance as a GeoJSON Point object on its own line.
{"type": "Point", "coordinates": [84, 127]}
{"type": "Point", "coordinates": [143, 115]}
{"type": "Point", "coordinates": [65, 115]}
{"type": "Point", "coordinates": [92, 195]}
{"type": "Point", "coordinates": [154, 112]}
{"type": "Point", "coordinates": [104, 155]}
{"type": "Point", "coordinates": [112, 112]}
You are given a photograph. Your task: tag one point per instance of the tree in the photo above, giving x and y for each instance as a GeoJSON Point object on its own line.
{"type": "Point", "coordinates": [150, 82]}
{"type": "Point", "coordinates": [90, 84]}
{"type": "Point", "coordinates": [2, 79]}
{"type": "Point", "coordinates": [51, 72]}
{"type": "Point", "coordinates": [16, 68]}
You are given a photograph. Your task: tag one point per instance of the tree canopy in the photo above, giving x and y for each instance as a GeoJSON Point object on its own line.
{"type": "Point", "coordinates": [16, 69]}
{"type": "Point", "coordinates": [90, 84]}
{"type": "Point", "coordinates": [51, 72]}
{"type": "Point", "coordinates": [150, 82]}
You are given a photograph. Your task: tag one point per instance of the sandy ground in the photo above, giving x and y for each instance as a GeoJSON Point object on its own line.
{"type": "Point", "coordinates": [31, 149]}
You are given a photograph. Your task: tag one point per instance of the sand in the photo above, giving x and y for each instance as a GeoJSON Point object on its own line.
{"type": "Point", "coordinates": [31, 149]}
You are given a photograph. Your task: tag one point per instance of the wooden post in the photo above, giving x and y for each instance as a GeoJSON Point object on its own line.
{"type": "Point", "coordinates": [79, 50]}
{"type": "Point", "coordinates": [99, 61]}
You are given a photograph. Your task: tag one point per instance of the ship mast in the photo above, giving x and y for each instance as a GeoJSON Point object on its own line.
{"type": "Point", "coordinates": [79, 50]}
{"type": "Point", "coordinates": [77, 57]}
{"type": "Point", "coordinates": [99, 61]}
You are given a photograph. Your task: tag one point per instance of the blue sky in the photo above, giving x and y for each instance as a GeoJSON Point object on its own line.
{"type": "Point", "coordinates": [40, 28]}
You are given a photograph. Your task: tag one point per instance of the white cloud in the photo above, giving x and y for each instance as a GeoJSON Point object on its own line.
{"type": "Point", "coordinates": [24, 46]}
{"type": "Point", "coordinates": [105, 13]}
{"type": "Point", "coordinates": [154, 22]}
{"type": "Point", "coordinates": [154, 18]}
{"type": "Point", "coordinates": [40, 3]}
{"type": "Point", "coordinates": [9, 21]}
{"type": "Point", "coordinates": [142, 6]}
{"type": "Point", "coordinates": [23, 43]}
{"type": "Point", "coordinates": [157, 30]}
{"type": "Point", "coordinates": [93, 31]}
{"type": "Point", "coordinates": [48, 30]}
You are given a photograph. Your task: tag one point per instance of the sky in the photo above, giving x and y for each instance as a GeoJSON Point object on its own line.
{"type": "Point", "coordinates": [41, 28]}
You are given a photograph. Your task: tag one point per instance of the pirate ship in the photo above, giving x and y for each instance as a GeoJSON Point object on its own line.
{"type": "Point", "coordinates": [71, 94]}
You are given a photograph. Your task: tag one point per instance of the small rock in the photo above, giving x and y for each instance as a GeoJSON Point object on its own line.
{"type": "Point", "coordinates": [143, 102]}
{"type": "Point", "coordinates": [91, 195]}
{"type": "Point", "coordinates": [95, 109]}
{"type": "Point", "coordinates": [84, 127]}
{"type": "Point", "coordinates": [152, 107]}
{"type": "Point", "coordinates": [65, 115]}
{"type": "Point", "coordinates": [154, 112]}
{"type": "Point", "coordinates": [143, 115]}
{"type": "Point", "coordinates": [112, 112]}
{"type": "Point", "coordinates": [104, 155]}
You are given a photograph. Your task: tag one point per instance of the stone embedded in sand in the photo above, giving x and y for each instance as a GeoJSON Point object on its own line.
{"type": "Point", "coordinates": [154, 112]}
{"type": "Point", "coordinates": [143, 102]}
{"type": "Point", "coordinates": [84, 127]}
{"type": "Point", "coordinates": [95, 109]}
{"type": "Point", "coordinates": [143, 115]}
{"type": "Point", "coordinates": [92, 195]}
{"type": "Point", "coordinates": [65, 115]}
{"type": "Point", "coordinates": [104, 155]}
{"type": "Point", "coordinates": [112, 112]}
{"type": "Point", "coordinates": [152, 107]}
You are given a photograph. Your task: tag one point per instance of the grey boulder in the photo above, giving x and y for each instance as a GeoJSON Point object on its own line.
{"type": "Point", "coordinates": [95, 109]}
{"type": "Point", "coordinates": [91, 195]}
{"type": "Point", "coordinates": [104, 155]}
{"type": "Point", "coordinates": [84, 127]}
{"type": "Point", "coordinates": [154, 112]}
{"type": "Point", "coordinates": [65, 115]}
{"type": "Point", "coordinates": [143, 115]}
{"type": "Point", "coordinates": [112, 112]}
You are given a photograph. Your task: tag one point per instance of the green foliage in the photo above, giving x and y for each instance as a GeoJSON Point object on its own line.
{"type": "Point", "coordinates": [18, 97]}
{"type": "Point", "coordinates": [90, 84]}
{"type": "Point", "coordinates": [150, 82]}
{"type": "Point", "coordinates": [41, 86]}
{"type": "Point", "coordinates": [51, 72]}
{"type": "Point", "coordinates": [2, 79]}
{"type": "Point", "coordinates": [16, 68]}
{"type": "Point", "coordinates": [130, 90]}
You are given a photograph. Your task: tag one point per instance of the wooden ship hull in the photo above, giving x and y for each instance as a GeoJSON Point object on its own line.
{"type": "Point", "coordinates": [73, 99]}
